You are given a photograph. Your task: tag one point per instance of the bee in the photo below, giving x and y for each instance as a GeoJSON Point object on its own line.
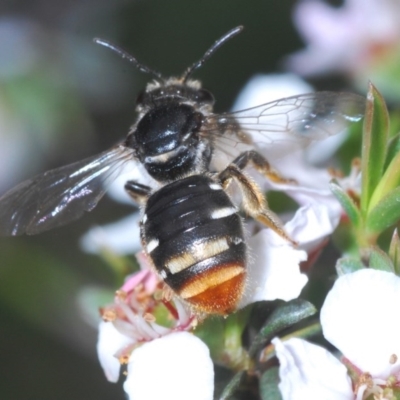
{"type": "Point", "coordinates": [190, 228]}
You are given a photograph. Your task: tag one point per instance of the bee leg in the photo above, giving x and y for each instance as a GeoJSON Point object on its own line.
{"type": "Point", "coordinates": [254, 202]}
{"type": "Point", "coordinates": [137, 191]}
{"type": "Point", "coordinates": [261, 165]}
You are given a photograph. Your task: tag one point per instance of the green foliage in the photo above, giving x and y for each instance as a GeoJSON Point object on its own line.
{"type": "Point", "coordinates": [347, 203]}
{"type": "Point", "coordinates": [269, 385]}
{"type": "Point", "coordinates": [283, 317]}
{"type": "Point", "coordinates": [374, 145]}
{"type": "Point", "coordinates": [379, 260]}
{"type": "Point", "coordinates": [347, 265]}
{"type": "Point", "coordinates": [233, 385]}
{"type": "Point", "coordinates": [394, 252]}
{"type": "Point", "coordinates": [377, 209]}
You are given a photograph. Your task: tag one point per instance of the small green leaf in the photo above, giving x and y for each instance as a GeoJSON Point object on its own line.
{"type": "Point", "coordinates": [386, 213]}
{"type": "Point", "coordinates": [374, 146]}
{"type": "Point", "coordinates": [379, 260]}
{"type": "Point", "coordinates": [269, 381]}
{"type": "Point", "coordinates": [390, 180]}
{"type": "Point", "coordinates": [282, 317]}
{"type": "Point", "coordinates": [345, 239]}
{"type": "Point", "coordinates": [232, 386]}
{"type": "Point", "coordinates": [394, 252]}
{"type": "Point", "coordinates": [347, 265]}
{"type": "Point", "coordinates": [393, 148]}
{"type": "Point", "coordinates": [348, 204]}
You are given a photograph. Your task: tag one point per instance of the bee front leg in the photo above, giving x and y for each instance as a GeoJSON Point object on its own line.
{"type": "Point", "coordinates": [254, 202]}
{"type": "Point", "coordinates": [137, 191]}
{"type": "Point", "coordinates": [261, 165]}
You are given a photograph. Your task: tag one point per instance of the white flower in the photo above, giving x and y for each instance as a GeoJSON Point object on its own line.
{"type": "Point", "coordinates": [163, 361]}
{"type": "Point", "coordinates": [176, 367]}
{"type": "Point", "coordinates": [109, 343]}
{"type": "Point", "coordinates": [263, 88]}
{"type": "Point", "coordinates": [274, 271]}
{"type": "Point", "coordinates": [310, 372]}
{"type": "Point", "coordinates": [121, 237]}
{"type": "Point", "coordinates": [359, 317]}
{"type": "Point", "coordinates": [349, 38]}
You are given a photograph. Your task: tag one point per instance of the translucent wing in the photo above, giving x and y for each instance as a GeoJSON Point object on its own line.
{"type": "Point", "coordinates": [61, 195]}
{"type": "Point", "coordinates": [302, 118]}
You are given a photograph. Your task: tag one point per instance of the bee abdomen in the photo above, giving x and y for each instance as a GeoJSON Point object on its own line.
{"type": "Point", "coordinates": [194, 236]}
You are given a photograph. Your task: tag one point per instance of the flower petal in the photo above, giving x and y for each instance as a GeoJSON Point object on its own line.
{"type": "Point", "coordinates": [345, 38]}
{"type": "Point", "coordinates": [121, 237]}
{"type": "Point", "coordinates": [311, 225]}
{"type": "Point", "coordinates": [177, 366]}
{"type": "Point", "coordinates": [310, 372]}
{"type": "Point", "coordinates": [359, 317]}
{"type": "Point", "coordinates": [274, 271]}
{"type": "Point", "coordinates": [261, 89]}
{"type": "Point", "coordinates": [109, 343]}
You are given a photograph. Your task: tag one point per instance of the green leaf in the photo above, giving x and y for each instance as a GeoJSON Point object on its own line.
{"type": "Point", "coordinates": [347, 265]}
{"type": "Point", "coordinates": [379, 260]}
{"type": "Point", "coordinates": [386, 213]}
{"type": "Point", "coordinates": [374, 146]}
{"type": "Point", "coordinates": [394, 252]}
{"type": "Point", "coordinates": [393, 149]}
{"type": "Point", "coordinates": [345, 239]}
{"type": "Point", "coordinates": [390, 180]}
{"type": "Point", "coordinates": [232, 386]}
{"type": "Point", "coordinates": [348, 204]}
{"type": "Point", "coordinates": [269, 385]}
{"type": "Point", "coordinates": [282, 317]}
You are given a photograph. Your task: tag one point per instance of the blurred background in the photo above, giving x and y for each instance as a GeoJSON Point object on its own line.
{"type": "Point", "coordinates": [64, 98]}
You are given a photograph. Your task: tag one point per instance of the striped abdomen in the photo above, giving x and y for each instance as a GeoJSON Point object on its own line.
{"type": "Point", "coordinates": [194, 236]}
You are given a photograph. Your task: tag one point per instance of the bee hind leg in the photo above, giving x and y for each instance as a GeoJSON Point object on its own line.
{"type": "Point", "coordinates": [261, 165]}
{"type": "Point", "coordinates": [254, 202]}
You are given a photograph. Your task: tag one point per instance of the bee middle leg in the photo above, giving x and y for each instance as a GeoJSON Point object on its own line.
{"type": "Point", "coordinates": [261, 165]}
{"type": "Point", "coordinates": [137, 191]}
{"type": "Point", "coordinates": [254, 202]}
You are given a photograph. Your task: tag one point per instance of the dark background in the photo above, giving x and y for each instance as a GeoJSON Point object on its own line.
{"type": "Point", "coordinates": [47, 350]}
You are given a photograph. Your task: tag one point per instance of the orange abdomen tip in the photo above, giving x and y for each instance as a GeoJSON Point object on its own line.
{"type": "Point", "coordinates": [217, 291]}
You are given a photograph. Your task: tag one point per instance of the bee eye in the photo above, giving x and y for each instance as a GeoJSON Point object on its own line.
{"type": "Point", "coordinates": [204, 96]}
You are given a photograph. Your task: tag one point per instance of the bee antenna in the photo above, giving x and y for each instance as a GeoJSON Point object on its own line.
{"type": "Point", "coordinates": [233, 32]}
{"type": "Point", "coordinates": [128, 56]}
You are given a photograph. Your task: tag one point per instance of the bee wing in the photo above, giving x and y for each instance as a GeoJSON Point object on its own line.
{"type": "Point", "coordinates": [61, 195]}
{"type": "Point", "coordinates": [298, 119]}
